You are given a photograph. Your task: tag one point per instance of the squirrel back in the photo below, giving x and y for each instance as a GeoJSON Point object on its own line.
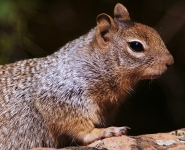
{"type": "Point", "coordinates": [76, 91]}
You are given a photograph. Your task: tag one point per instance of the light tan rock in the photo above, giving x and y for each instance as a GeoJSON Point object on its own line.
{"type": "Point", "coordinates": [158, 141]}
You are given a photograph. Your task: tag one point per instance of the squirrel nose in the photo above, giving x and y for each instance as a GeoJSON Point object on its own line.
{"type": "Point", "coordinates": [170, 61]}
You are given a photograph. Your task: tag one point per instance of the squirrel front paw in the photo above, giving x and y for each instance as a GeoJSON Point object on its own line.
{"type": "Point", "coordinates": [101, 133]}
{"type": "Point", "coordinates": [113, 131]}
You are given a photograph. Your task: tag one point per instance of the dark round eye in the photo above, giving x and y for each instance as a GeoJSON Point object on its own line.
{"type": "Point", "coordinates": [136, 46]}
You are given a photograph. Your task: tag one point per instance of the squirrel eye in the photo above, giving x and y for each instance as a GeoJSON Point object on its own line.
{"type": "Point", "coordinates": [136, 46]}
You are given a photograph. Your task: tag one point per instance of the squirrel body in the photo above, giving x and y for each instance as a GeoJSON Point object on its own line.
{"type": "Point", "coordinates": [76, 91]}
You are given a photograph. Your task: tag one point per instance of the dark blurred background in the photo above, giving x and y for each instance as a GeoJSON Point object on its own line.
{"type": "Point", "coordinates": [37, 28]}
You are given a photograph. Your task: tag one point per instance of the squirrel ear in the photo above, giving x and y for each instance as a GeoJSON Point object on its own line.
{"type": "Point", "coordinates": [105, 24]}
{"type": "Point", "coordinates": [121, 13]}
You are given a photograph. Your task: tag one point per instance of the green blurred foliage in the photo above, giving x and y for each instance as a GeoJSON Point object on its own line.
{"type": "Point", "coordinates": [14, 17]}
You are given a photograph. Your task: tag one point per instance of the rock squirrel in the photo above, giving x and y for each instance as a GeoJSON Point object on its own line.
{"type": "Point", "coordinates": [75, 92]}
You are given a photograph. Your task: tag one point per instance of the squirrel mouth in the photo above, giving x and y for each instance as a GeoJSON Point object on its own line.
{"type": "Point", "coordinates": [155, 76]}
{"type": "Point", "coordinates": [152, 76]}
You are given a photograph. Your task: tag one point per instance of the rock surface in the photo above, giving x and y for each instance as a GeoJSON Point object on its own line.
{"type": "Point", "coordinates": [174, 140]}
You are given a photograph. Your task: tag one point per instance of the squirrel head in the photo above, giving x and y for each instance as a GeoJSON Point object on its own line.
{"type": "Point", "coordinates": [134, 49]}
